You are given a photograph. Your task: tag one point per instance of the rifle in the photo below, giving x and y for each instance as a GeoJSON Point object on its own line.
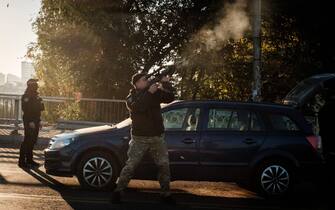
{"type": "Point", "coordinates": [157, 75]}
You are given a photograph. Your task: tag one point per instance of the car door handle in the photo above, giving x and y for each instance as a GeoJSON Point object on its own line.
{"type": "Point", "coordinates": [125, 138]}
{"type": "Point", "coordinates": [188, 141]}
{"type": "Point", "coordinates": [249, 141]}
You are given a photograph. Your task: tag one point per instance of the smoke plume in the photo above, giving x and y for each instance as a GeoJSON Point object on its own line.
{"type": "Point", "coordinates": [233, 24]}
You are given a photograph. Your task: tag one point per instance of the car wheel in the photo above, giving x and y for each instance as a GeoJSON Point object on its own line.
{"type": "Point", "coordinates": [97, 170]}
{"type": "Point", "coordinates": [274, 179]}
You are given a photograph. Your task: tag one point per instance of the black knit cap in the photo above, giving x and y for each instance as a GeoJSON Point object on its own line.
{"type": "Point", "coordinates": [32, 81]}
{"type": "Point", "coordinates": [136, 77]}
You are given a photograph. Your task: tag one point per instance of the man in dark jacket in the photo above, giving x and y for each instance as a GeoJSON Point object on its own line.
{"type": "Point", "coordinates": [147, 131]}
{"type": "Point", "coordinates": [32, 107]}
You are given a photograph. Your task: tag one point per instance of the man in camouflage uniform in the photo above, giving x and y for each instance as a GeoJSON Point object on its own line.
{"type": "Point", "coordinates": [147, 131]}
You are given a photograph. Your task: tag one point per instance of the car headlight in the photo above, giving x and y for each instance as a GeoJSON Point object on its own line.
{"type": "Point", "coordinates": [61, 141]}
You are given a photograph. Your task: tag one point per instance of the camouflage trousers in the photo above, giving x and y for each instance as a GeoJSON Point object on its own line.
{"type": "Point", "coordinates": [156, 147]}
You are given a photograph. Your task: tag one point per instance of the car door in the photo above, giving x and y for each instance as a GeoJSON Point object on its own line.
{"type": "Point", "coordinates": [182, 137]}
{"type": "Point", "coordinates": [230, 139]}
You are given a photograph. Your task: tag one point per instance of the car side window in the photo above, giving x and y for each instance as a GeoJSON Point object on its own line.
{"type": "Point", "coordinates": [239, 121]}
{"type": "Point", "coordinates": [183, 119]}
{"type": "Point", "coordinates": [174, 119]}
{"type": "Point", "coordinates": [192, 119]}
{"type": "Point", "coordinates": [218, 119]}
{"type": "Point", "coordinates": [283, 123]}
{"type": "Point", "coordinates": [255, 123]}
{"type": "Point", "coordinates": [234, 120]}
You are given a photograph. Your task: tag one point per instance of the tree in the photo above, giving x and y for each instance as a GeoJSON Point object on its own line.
{"type": "Point", "coordinates": [95, 48]}
{"type": "Point", "coordinates": [225, 71]}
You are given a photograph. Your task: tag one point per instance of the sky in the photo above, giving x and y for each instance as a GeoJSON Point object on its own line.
{"type": "Point", "coordinates": [16, 17]}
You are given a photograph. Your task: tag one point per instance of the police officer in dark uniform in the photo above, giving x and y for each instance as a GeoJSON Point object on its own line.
{"type": "Point", "coordinates": [32, 106]}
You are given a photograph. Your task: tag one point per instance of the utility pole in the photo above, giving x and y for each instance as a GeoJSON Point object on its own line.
{"type": "Point", "coordinates": [256, 29]}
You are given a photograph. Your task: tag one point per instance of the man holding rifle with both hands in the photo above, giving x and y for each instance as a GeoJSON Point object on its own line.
{"type": "Point", "coordinates": [147, 131]}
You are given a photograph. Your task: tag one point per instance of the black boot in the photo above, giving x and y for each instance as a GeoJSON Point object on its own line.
{"type": "Point", "coordinates": [22, 164]}
{"type": "Point", "coordinates": [116, 198]}
{"type": "Point", "coordinates": [33, 164]}
{"type": "Point", "coordinates": [22, 161]}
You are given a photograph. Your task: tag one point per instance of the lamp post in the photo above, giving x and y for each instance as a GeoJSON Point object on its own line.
{"type": "Point", "coordinates": [256, 28]}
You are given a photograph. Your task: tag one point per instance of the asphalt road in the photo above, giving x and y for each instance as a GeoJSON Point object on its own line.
{"type": "Point", "coordinates": [33, 189]}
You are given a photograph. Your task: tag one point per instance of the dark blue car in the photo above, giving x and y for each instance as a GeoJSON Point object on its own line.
{"type": "Point", "coordinates": [267, 145]}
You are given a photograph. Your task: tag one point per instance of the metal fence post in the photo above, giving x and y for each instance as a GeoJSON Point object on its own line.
{"type": "Point", "coordinates": [17, 117]}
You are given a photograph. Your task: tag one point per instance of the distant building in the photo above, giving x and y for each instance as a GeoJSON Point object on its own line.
{"type": "Point", "coordinates": [13, 78]}
{"type": "Point", "coordinates": [12, 88]}
{"type": "Point", "coordinates": [2, 79]}
{"type": "Point", "coordinates": [27, 71]}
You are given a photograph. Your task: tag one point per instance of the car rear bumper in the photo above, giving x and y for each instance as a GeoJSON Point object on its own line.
{"type": "Point", "coordinates": [57, 163]}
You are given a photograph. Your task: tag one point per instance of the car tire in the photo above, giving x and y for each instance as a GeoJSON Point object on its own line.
{"type": "Point", "coordinates": [274, 179]}
{"type": "Point", "coordinates": [98, 170]}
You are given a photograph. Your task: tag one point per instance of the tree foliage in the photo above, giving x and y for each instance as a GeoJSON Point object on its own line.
{"type": "Point", "coordinates": [226, 72]}
{"type": "Point", "coordinates": [94, 48]}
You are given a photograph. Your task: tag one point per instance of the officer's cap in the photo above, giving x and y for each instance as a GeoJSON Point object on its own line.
{"type": "Point", "coordinates": [32, 81]}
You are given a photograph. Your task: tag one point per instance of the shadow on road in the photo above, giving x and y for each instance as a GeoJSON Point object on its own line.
{"type": "Point", "coordinates": [2, 180]}
{"type": "Point", "coordinates": [305, 197]}
{"type": "Point", "coordinates": [79, 198]}
{"type": "Point", "coordinates": [45, 179]}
